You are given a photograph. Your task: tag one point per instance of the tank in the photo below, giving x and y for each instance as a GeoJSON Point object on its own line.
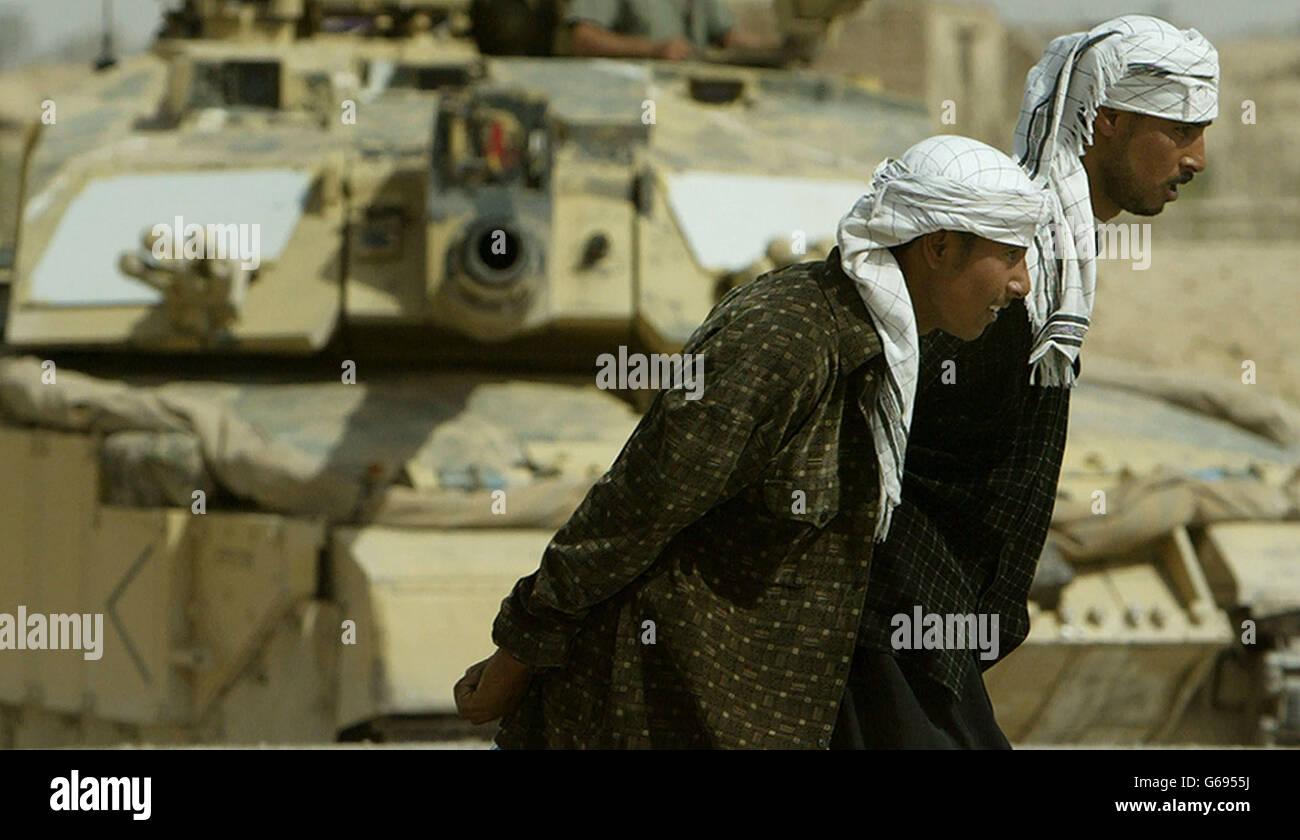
{"type": "Point", "coordinates": [305, 313]}
{"type": "Point", "coordinates": [1166, 606]}
{"type": "Point", "coordinates": [306, 309]}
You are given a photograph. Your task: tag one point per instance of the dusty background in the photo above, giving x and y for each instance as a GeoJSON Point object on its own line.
{"type": "Point", "coordinates": [1223, 285]}
{"type": "Point", "coordinates": [1224, 280]}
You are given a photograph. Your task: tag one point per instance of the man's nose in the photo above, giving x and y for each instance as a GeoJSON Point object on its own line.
{"type": "Point", "coordinates": [1194, 157]}
{"type": "Point", "coordinates": [1019, 286]}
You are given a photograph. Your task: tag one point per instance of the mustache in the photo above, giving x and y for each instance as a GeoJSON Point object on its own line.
{"type": "Point", "coordinates": [1182, 179]}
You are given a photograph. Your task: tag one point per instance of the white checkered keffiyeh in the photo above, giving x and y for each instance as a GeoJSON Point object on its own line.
{"type": "Point", "coordinates": [943, 183]}
{"type": "Point", "coordinates": [1130, 63]}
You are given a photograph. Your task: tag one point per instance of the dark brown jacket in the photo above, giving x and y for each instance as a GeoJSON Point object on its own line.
{"type": "Point", "coordinates": [739, 524]}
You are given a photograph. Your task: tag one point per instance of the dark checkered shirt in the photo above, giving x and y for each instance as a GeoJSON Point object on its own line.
{"type": "Point", "coordinates": [739, 524]}
{"type": "Point", "coordinates": [983, 459]}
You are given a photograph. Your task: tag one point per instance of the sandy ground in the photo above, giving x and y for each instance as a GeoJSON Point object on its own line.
{"type": "Point", "coordinates": [1205, 307]}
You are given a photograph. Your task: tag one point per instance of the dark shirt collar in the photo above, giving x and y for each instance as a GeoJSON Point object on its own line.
{"type": "Point", "coordinates": [857, 333]}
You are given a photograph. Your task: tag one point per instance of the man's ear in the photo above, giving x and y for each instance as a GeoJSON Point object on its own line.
{"type": "Point", "coordinates": [1105, 123]}
{"type": "Point", "coordinates": [935, 246]}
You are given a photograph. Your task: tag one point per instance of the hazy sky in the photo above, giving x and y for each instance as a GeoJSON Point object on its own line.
{"type": "Point", "coordinates": [53, 24]}
{"type": "Point", "coordinates": [1214, 18]}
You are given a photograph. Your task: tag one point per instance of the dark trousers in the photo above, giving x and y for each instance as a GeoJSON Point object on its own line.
{"type": "Point", "coordinates": [889, 704]}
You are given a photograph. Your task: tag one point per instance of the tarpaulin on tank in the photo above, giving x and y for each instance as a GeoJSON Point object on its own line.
{"type": "Point", "coordinates": [412, 449]}
{"type": "Point", "coordinates": [241, 457]}
{"type": "Point", "coordinates": [1247, 406]}
{"type": "Point", "coordinates": [1143, 508]}
{"type": "Point", "coordinates": [1151, 451]}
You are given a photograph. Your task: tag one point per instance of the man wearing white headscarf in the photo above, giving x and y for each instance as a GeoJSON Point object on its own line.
{"type": "Point", "coordinates": [707, 591]}
{"type": "Point", "coordinates": [943, 183]}
{"type": "Point", "coordinates": [1113, 119]}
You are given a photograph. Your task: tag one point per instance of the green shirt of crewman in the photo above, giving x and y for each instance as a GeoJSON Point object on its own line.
{"type": "Point", "coordinates": [668, 29]}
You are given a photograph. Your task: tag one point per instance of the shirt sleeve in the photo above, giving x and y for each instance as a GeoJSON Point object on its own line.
{"type": "Point", "coordinates": [761, 379]}
{"type": "Point", "coordinates": [718, 18]}
{"type": "Point", "coordinates": [603, 13]}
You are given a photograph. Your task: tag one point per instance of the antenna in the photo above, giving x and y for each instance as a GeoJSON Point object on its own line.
{"type": "Point", "coordinates": [106, 58]}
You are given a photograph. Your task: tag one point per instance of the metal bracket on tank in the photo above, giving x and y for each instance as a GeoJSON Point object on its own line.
{"type": "Point", "coordinates": [1282, 683]}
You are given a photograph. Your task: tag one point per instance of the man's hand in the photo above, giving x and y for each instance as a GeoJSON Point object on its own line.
{"type": "Point", "coordinates": [589, 39]}
{"type": "Point", "coordinates": [491, 688]}
{"type": "Point", "coordinates": [677, 49]}
{"type": "Point", "coordinates": [737, 40]}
